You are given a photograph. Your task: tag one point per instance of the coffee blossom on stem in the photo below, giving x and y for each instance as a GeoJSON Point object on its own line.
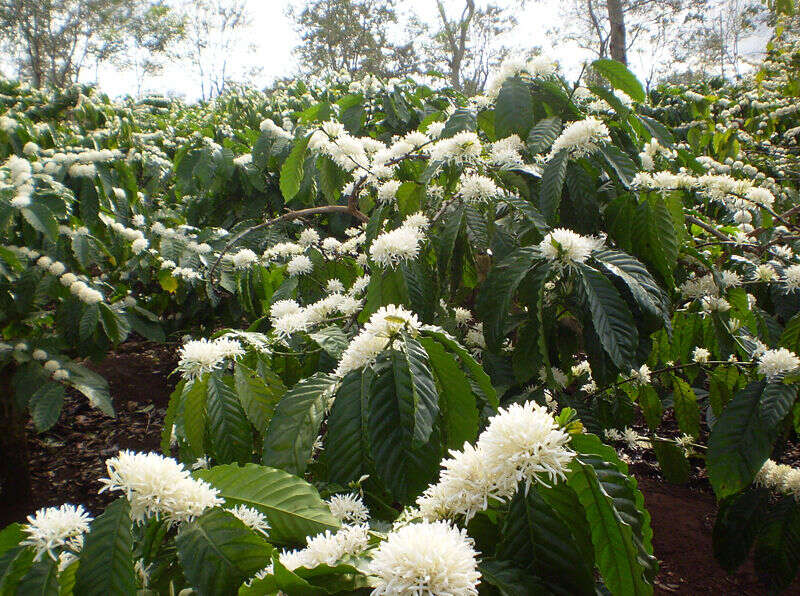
{"type": "Point", "coordinates": [581, 138]}
{"type": "Point", "coordinates": [426, 558]}
{"type": "Point", "coordinates": [567, 247]}
{"type": "Point", "coordinates": [774, 363]}
{"type": "Point", "coordinates": [54, 527]}
{"type": "Point", "coordinates": [158, 486]}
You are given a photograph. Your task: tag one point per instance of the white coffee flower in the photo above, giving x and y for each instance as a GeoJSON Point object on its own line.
{"type": "Point", "coordinates": [566, 246]}
{"type": "Point", "coordinates": [391, 248]}
{"type": "Point", "coordinates": [299, 265]}
{"type": "Point", "coordinates": [581, 138]}
{"type": "Point", "coordinates": [280, 308]}
{"type": "Point", "coordinates": [348, 509]}
{"type": "Point", "coordinates": [251, 517]}
{"type": "Point", "coordinates": [387, 192]}
{"type": "Point", "coordinates": [779, 477]}
{"type": "Point", "coordinates": [308, 237]}
{"type": "Point", "coordinates": [54, 527]}
{"type": "Point", "coordinates": [791, 277]}
{"type": "Point", "coordinates": [158, 486]}
{"type": "Point", "coordinates": [198, 357]}
{"type": "Point", "coordinates": [640, 376]}
{"type": "Point", "coordinates": [426, 558]}
{"type": "Point", "coordinates": [773, 363]}
{"type": "Point", "coordinates": [462, 315]}
{"type": "Point", "coordinates": [475, 188]}
{"type": "Point", "coordinates": [523, 441]}
{"type": "Point", "coordinates": [700, 355]}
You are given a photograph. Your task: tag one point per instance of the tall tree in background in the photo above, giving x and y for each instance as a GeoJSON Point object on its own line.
{"type": "Point", "coordinates": [466, 45]}
{"type": "Point", "coordinates": [714, 46]}
{"type": "Point", "coordinates": [151, 39]}
{"type": "Point", "coordinates": [701, 36]}
{"type": "Point", "coordinates": [352, 36]}
{"type": "Point", "coordinates": [213, 29]}
{"type": "Point", "coordinates": [53, 40]}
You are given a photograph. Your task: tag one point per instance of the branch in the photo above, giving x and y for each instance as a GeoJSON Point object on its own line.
{"type": "Point", "coordinates": [708, 228]}
{"type": "Point", "coordinates": [291, 215]}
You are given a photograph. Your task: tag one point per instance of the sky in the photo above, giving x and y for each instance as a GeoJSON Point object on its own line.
{"type": "Point", "coordinates": [273, 36]}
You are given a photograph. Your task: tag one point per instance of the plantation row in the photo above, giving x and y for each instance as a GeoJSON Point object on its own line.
{"type": "Point", "coordinates": [414, 327]}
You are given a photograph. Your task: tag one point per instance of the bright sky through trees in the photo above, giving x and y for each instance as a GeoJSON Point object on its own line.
{"type": "Point", "coordinates": [273, 36]}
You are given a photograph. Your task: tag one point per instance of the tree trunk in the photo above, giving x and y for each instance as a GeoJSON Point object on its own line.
{"type": "Point", "coordinates": [617, 43]}
{"type": "Point", "coordinates": [16, 496]}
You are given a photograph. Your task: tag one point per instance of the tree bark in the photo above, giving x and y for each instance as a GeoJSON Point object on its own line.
{"type": "Point", "coordinates": [16, 496]}
{"type": "Point", "coordinates": [617, 43]}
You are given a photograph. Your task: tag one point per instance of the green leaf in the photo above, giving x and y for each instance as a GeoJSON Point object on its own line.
{"type": "Point", "coordinates": [611, 318]}
{"type": "Point", "coordinates": [615, 552]}
{"type": "Point", "coordinates": [553, 177]}
{"type": "Point", "coordinates": [11, 536]}
{"type": "Point", "coordinates": [45, 405]}
{"type": "Point", "coordinates": [41, 579]}
{"type": "Point", "coordinates": [543, 134]}
{"type": "Point", "coordinates": [14, 564]}
{"type": "Point", "coordinates": [476, 372]}
{"type": "Point", "coordinates": [513, 112]}
{"type": "Point", "coordinates": [654, 237]}
{"type": "Point", "coordinates": [497, 292]}
{"type": "Point", "coordinates": [620, 162]}
{"type": "Point", "coordinates": [385, 287]}
{"type": "Point", "coordinates": [739, 443]}
{"type": "Point", "coordinates": [422, 387]}
{"type": "Point", "coordinates": [346, 437]}
{"type": "Point", "coordinates": [777, 550]}
{"type": "Point", "coordinates": [658, 130]}
{"type": "Point", "coordinates": [88, 322]}
{"type": "Point", "coordinates": [194, 414]}
{"type": "Point", "coordinates": [686, 410]}
{"type": "Point", "coordinates": [651, 405]}
{"type": "Point", "coordinates": [419, 282]}
{"type": "Point", "coordinates": [510, 580]}
{"type": "Point", "coordinates": [672, 461]}
{"type": "Point", "coordinates": [218, 552]}
{"type": "Point", "coordinates": [42, 220]}
{"type": "Point", "coordinates": [644, 289]}
{"type": "Point", "coordinates": [230, 432]}
{"type": "Point", "coordinates": [332, 340]}
{"type": "Point", "coordinates": [739, 519]}
{"type": "Point", "coordinates": [628, 500]}
{"type": "Point", "coordinates": [92, 385]}
{"type": "Point", "coordinates": [620, 78]}
{"type": "Point", "coordinates": [294, 427]}
{"type": "Point", "coordinates": [776, 403]}
{"type": "Point", "coordinates": [391, 420]}
{"type": "Point", "coordinates": [106, 560]}
{"type": "Point", "coordinates": [456, 400]}
{"type": "Point", "coordinates": [257, 394]}
{"type": "Point", "coordinates": [528, 211]}
{"type": "Point", "coordinates": [722, 382]}
{"type": "Point", "coordinates": [292, 169]}
{"type": "Point", "coordinates": [462, 120]}
{"type": "Point", "coordinates": [66, 579]}
{"type": "Point", "coordinates": [292, 506]}
{"type": "Point", "coordinates": [446, 239]}
{"type": "Point", "coordinates": [534, 533]}
{"type": "Point", "coordinates": [115, 323]}
{"type": "Point", "coordinates": [790, 338]}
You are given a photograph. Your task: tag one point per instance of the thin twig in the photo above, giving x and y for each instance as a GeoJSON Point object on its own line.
{"type": "Point", "coordinates": [291, 215]}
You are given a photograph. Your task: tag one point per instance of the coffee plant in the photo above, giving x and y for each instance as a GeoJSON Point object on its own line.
{"type": "Point", "coordinates": [413, 327]}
